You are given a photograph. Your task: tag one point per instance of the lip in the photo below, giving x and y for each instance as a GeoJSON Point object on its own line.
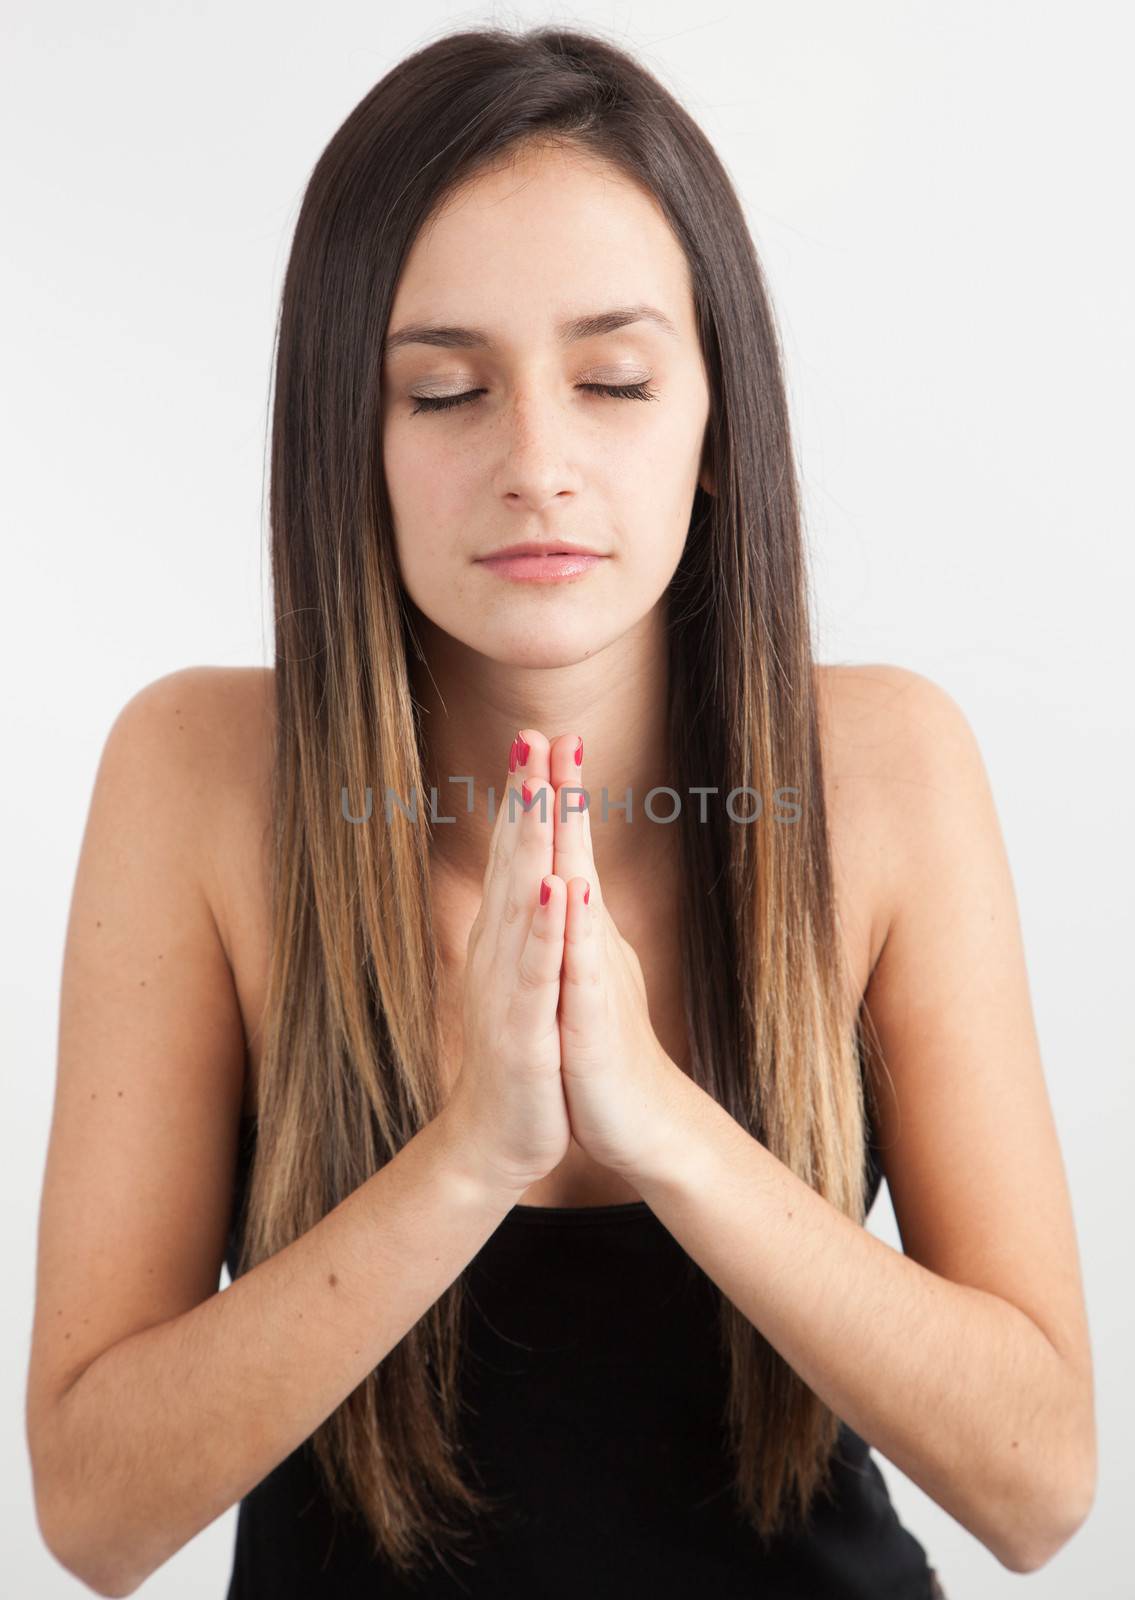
{"type": "Point", "coordinates": [558, 568]}
{"type": "Point", "coordinates": [543, 547]}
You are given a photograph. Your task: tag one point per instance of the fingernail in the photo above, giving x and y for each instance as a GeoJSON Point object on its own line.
{"type": "Point", "coordinates": [587, 894]}
{"type": "Point", "coordinates": [579, 753]}
{"type": "Point", "coordinates": [512, 756]}
{"type": "Point", "coordinates": [545, 891]}
{"type": "Point", "coordinates": [527, 793]}
{"type": "Point", "coordinates": [523, 749]}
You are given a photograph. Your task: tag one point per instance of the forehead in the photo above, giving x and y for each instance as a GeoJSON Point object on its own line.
{"type": "Point", "coordinates": [538, 239]}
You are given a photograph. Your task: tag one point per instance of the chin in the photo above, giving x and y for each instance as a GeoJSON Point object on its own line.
{"type": "Point", "coordinates": [539, 651]}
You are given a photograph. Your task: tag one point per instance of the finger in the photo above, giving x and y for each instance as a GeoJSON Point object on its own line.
{"type": "Point", "coordinates": [583, 821]}
{"type": "Point", "coordinates": [572, 837]}
{"type": "Point", "coordinates": [582, 991]}
{"type": "Point", "coordinates": [541, 959]}
{"type": "Point", "coordinates": [527, 753]}
{"type": "Point", "coordinates": [534, 754]}
{"type": "Point", "coordinates": [514, 893]}
{"type": "Point", "coordinates": [563, 765]}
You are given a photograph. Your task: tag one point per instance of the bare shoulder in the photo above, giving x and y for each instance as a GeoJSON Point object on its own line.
{"type": "Point", "coordinates": [883, 710]}
{"type": "Point", "coordinates": [212, 724]}
{"type": "Point", "coordinates": [211, 729]}
{"type": "Point", "coordinates": [889, 736]}
{"type": "Point", "coordinates": [223, 715]}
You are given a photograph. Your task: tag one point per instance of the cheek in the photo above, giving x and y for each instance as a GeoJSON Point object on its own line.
{"type": "Point", "coordinates": [655, 502]}
{"type": "Point", "coordinates": [424, 487]}
{"type": "Point", "coordinates": [657, 477]}
{"type": "Point", "coordinates": [403, 462]}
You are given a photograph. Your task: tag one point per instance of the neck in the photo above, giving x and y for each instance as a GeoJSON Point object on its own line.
{"type": "Point", "coordinates": [616, 699]}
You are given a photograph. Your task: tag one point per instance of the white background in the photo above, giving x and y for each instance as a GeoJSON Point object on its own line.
{"type": "Point", "coordinates": [940, 195]}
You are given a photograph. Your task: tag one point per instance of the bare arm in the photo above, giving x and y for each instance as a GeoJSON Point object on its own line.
{"type": "Point", "coordinates": [175, 1424]}
{"type": "Point", "coordinates": [154, 1402]}
{"type": "Point", "coordinates": [966, 1358]}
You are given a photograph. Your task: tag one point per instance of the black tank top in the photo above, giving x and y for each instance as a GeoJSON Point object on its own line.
{"type": "Point", "coordinates": [597, 1391]}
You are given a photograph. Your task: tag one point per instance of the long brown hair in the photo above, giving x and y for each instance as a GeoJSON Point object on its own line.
{"type": "Point", "coordinates": [350, 1049]}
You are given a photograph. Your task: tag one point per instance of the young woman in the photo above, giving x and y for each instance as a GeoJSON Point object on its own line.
{"type": "Point", "coordinates": [553, 1129]}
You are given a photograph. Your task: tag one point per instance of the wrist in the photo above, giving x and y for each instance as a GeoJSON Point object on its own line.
{"type": "Point", "coordinates": [470, 1177]}
{"type": "Point", "coordinates": [684, 1149]}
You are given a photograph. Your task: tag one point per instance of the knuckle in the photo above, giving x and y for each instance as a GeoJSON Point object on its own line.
{"type": "Point", "coordinates": [582, 982]}
{"type": "Point", "coordinates": [511, 909]}
{"type": "Point", "coordinates": [528, 978]}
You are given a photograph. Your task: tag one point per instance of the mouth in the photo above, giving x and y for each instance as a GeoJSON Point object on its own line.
{"type": "Point", "coordinates": [536, 565]}
{"type": "Point", "coordinates": [536, 547]}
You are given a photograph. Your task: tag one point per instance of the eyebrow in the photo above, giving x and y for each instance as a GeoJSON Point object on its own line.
{"type": "Point", "coordinates": [568, 332]}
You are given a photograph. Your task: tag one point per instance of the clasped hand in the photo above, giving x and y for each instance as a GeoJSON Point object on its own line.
{"type": "Point", "coordinates": [618, 1081]}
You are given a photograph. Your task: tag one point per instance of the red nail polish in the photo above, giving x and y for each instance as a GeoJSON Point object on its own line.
{"type": "Point", "coordinates": [545, 891]}
{"type": "Point", "coordinates": [523, 750]}
{"type": "Point", "coordinates": [587, 894]}
{"type": "Point", "coordinates": [512, 756]}
{"type": "Point", "coordinates": [579, 753]}
{"type": "Point", "coordinates": [527, 794]}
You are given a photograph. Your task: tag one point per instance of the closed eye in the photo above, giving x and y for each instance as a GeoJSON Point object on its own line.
{"type": "Point", "coordinates": [620, 391]}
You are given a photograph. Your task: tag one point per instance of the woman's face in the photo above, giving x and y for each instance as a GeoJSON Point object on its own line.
{"type": "Point", "coordinates": [533, 454]}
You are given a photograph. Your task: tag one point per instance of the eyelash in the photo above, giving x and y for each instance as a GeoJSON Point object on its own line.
{"type": "Point", "coordinates": [621, 391]}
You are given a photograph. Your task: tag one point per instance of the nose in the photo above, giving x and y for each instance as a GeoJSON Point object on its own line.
{"type": "Point", "coordinates": [536, 463]}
